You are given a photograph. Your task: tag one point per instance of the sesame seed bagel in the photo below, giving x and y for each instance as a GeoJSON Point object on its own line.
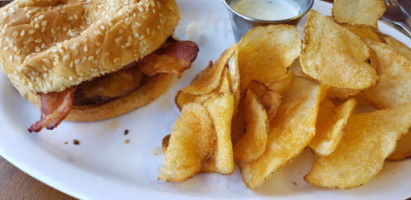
{"type": "Point", "coordinates": [49, 46]}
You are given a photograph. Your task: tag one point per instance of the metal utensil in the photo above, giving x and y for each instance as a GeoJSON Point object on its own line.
{"type": "Point", "coordinates": [242, 23]}
{"type": "Point", "coordinates": [395, 15]}
{"type": "Point", "coordinates": [4, 2]}
{"type": "Point", "coordinates": [406, 6]}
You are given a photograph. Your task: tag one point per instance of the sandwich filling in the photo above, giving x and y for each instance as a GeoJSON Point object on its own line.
{"type": "Point", "coordinates": [173, 57]}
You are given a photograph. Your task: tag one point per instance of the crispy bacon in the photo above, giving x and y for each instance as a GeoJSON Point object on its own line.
{"type": "Point", "coordinates": [55, 107]}
{"type": "Point", "coordinates": [173, 57]}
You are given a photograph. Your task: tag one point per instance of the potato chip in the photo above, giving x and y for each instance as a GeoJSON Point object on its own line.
{"type": "Point", "coordinates": [368, 140]}
{"type": "Point", "coordinates": [281, 85]}
{"type": "Point", "coordinates": [192, 143]}
{"type": "Point", "coordinates": [341, 93]}
{"type": "Point", "coordinates": [291, 131]}
{"type": "Point", "coordinates": [334, 55]}
{"type": "Point", "coordinates": [403, 149]}
{"type": "Point", "coordinates": [209, 79]}
{"type": "Point", "coordinates": [238, 124]}
{"type": "Point", "coordinates": [365, 32]}
{"type": "Point", "coordinates": [234, 76]}
{"type": "Point", "coordinates": [165, 142]}
{"type": "Point", "coordinates": [264, 53]}
{"type": "Point", "coordinates": [298, 71]}
{"type": "Point", "coordinates": [394, 85]}
{"type": "Point", "coordinates": [221, 110]}
{"type": "Point", "coordinates": [397, 45]}
{"type": "Point", "coordinates": [330, 126]}
{"type": "Point", "coordinates": [365, 12]}
{"type": "Point", "coordinates": [253, 144]}
{"type": "Point", "coordinates": [269, 99]}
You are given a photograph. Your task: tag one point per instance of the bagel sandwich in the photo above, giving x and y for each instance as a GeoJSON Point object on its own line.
{"type": "Point", "coordinates": [89, 60]}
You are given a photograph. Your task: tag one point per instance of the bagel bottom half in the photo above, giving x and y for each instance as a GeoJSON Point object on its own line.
{"type": "Point", "coordinates": [143, 95]}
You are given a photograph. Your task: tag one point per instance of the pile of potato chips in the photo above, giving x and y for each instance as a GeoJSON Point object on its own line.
{"type": "Point", "coordinates": [280, 95]}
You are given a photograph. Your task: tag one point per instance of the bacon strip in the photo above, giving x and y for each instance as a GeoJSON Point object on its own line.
{"type": "Point", "coordinates": [55, 107]}
{"type": "Point", "coordinates": [173, 57]}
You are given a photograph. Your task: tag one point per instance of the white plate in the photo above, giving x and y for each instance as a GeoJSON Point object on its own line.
{"type": "Point", "coordinates": [104, 167]}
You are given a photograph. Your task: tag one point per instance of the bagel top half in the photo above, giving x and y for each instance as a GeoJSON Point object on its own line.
{"type": "Point", "coordinates": [49, 46]}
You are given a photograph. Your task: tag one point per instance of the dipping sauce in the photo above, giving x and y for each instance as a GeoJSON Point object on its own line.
{"type": "Point", "coordinates": [266, 9]}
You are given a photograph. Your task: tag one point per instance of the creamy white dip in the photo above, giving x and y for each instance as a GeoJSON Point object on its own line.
{"type": "Point", "coordinates": [266, 9]}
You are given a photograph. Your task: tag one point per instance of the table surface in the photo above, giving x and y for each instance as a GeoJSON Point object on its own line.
{"type": "Point", "coordinates": [15, 184]}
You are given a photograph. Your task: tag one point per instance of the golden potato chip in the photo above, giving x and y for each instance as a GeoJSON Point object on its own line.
{"type": "Point", "coordinates": [366, 12]}
{"type": "Point", "coordinates": [298, 71]}
{"type": "Point", "coordinates": [291, 131]}
{"type": "Point", "coordinates": [330, 126]}
{"type": "Point", "coordinates": [192, 143]}
{"type": "Point", "coordinates": [368, 140]}
{"type": "Point", "coordinates": [269, 99]}
{"type": "Point", "coordinates": [334, 55]}
{"type": "Point", "coordinates": [234, 73]}
{"type": "Point", "coordinates": [253, 144]}
{"type": "Point", "coordinates": [238, 123]}
{"type": "Point", "coordinates": [365, 32]}
{"type": "Point", "coordinates": [281, 85]}
{"type": "Point", "coordinates": [400, 47]}
{"type": "Point", "coordinates": [403, 149]}
{"type": "Point", "coordinates": [165, 142]}
{"type": "Point", "coordinates": [394, 85]}
{"type": "Point", "coordinates": [264, 53]}
{"type": "Point", "coordinates": [341, 93]}
{"type": "Point", "coordinates": [224, 86]}
{"type": "Point", "coordinates": [209, 79]}
{"type": "Point", "coordinates": [221, 109]}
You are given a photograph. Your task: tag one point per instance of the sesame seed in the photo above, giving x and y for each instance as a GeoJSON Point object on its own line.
{"type": "Point", "coordinates": [43, 29]}
{"type": "Point", "coordinates": [30, 40]}
{"type": "Point", "coordinates": [83, 59]}
{"type": "Point", "coordinates": [85, 48]}
{"type": "Point", "coordinates": [46, 60]}
{"type": "Point", "coordinates": [44, 23]}
{"type": "Point", "coordinates": [116, 60]}
{"type": "Point", "coordinates": [65, 28]}
{"type": "Point", "coordinates": [43, 45]}
{"type": "Point", "coordinates": [38, 41]}
{"type": "Point", "coordinates": [23, 32]}
{"type": "Point", "coordinates": [83, 39]}
{"type": "Point", "coordinates": [75, 52]}
{"type": "Point", "coordinates": [31, 32]}
{"type": "Point", "coordinates": [54, 50]}
{"type": "Point", "coordinates": [37, 26]}
{"type": "Point", "coordinates": [15, 34]}
{"type": "Point", "coordinates": [144, 17]}
{"type": "Point", "coordinates": [102, 27]}
{"type": "Point", "coordinates": [53, 31]}
{"type": "Point", "coordinates": [90, 58]}
{"type": "Point", "coordinates": [38, 49]}
{"type": "Point", "coordinates": [82, 27]}
{"type": "Point", "coordinates": [75, 17]}
{"type": "Point", "coordinates": [65, 57]}
{"type": "Point", "coordinates": [127, 21]}
{"type": "Point", "coordinates": [77, 61]}
{"type": "Point", "coordinates": [70, 18]}
{"type": "Point", "coordinates": [41, 16]}
{"type": "Point", "coordinates": [141, 9]}
{"type": "Point", "coordinates": [98, 51]}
